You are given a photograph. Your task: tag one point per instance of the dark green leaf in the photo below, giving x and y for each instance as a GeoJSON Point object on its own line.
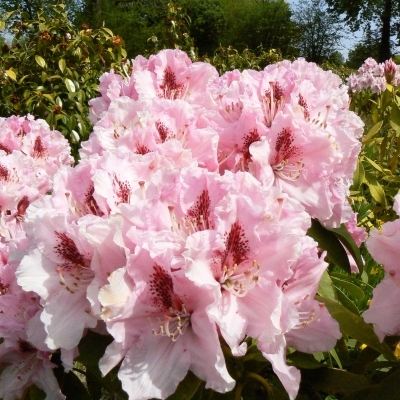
{"type": "Point", "coordinates": [186, 388]}
{"type": "Point", "coordinates": [328, 240]}
{"type": "Point", "coordinates": [354, 326]}
{"type": "Point", "coordinates": [303, 361]}
{"type": "Point", "coordinates": [351, 288]}
{"type": "Point", "coordinates": [92, 348]}
{"type": "Point", "coordinates": [334, 382]}
{"type": "Point", "coordinates": [388, 389]}
{"type": "Point", "coordinates": [347, 240]}
{"type": "Point", "coordinates": [73, 388]}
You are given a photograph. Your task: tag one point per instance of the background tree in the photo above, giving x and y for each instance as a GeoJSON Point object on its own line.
{"type": "Point", "coordinates": [367, 47]}
{"type": "Point", "coordinates": [251, 23]}
{"type": "Point", "coordinates": [321, 32]}
{"type": "Point", "coordinates": [365, 14]}
{"type": "Point", "coordinates": [207, 23]}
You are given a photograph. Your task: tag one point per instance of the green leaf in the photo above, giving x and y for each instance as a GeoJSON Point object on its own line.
{"type": "Point", "coordinates": [62, 65]}
{"type": "Point", "coordinates": [347, 302]}
{"type": "Point", "coordinates": [344, 236]}
{"type": "Point", "coordinates": [2, 25]}
{"type": "Point", "coordinates": [359, 176]}
{"type": "Point", "coordinates": [73, 388]}
{"type": "Point", "coordinates": [395, 118]}
{"type": "Point", "coordinates": [388, 389]}
{"type": "Point", "coordinates": [350, 287]}
{"type": "Point", "coordinates": [373, 131]}
{"type": "Point", "coordinates": [354, 326]}
{"type": "Point", "coordinates": [34, 393]}
{"type": "Point", "coordinates": [11, 74]}
{"type": "Point", "coordinates": [303, 360]}
{"type": "Point", "coordinates": [326, 287]}
{"type": "Point", "coordinates": [70, 85]}
{"type": "Point", "coordinates": [327, 240]}
{"type": "Point", "coordinates": [92, 348]}
{"type": "Point", "coordinates": [40, 61]}
{"type": "Point", "coordinates": [186, 388]}
{"type": "Point", "coordinates": [334, 382]}
{"type": "Point", "coordinates": [378, 193]}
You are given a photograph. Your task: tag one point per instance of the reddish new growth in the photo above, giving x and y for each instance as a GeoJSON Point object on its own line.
{"type": "Point", "coordinates": [162, 131]}
{"type": "Point", "coordinates": [251, 137]}
{"type": "Point", "coordinates": [162, 288]}
{"type": "Point", "coordinates": [169, 89]}
{"type": "Point", "coordinates": [236, 247]}
{"type": "Point", "coordinates": [4, 173]}
{"type": "Point", "coordinates": [141, 149]}
{"type": "Point", "coordinates": [38, 149]}
{"type": "Point", "coordinates": [25, 347]}
{"type": "Point", "coordinates": [200, 212]}
{"type": "Point", "coordinates": [5, 148]}
{"type": "Point", "coordinates": [124, 191]}
{"type": "Point", "coordinates": [68, 251]}
{"type": "Point", "coordinates": [303, 104]}
{"type": "Point", "coordinates": [91, 203]}
{"type": "Point", "coordinates": [284, 146]}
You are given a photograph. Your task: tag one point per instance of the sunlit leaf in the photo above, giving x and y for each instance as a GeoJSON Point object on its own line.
{"type": "Point", "coordinates": [70, 85]}
{"type": "Point", "coordinates": [40, 61]}
{"type": "Point", "coordinates": [62, 65]}
{"type": "Point", "coordinates": [373, 131]}
{"type": "Point", "coordinates": [11, 74]}
{"type": "Point", "coordinates": [354, 326]}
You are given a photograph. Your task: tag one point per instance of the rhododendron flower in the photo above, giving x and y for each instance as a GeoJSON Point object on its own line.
{"type": "Point", "coordinates": [384, 247]}
{"type": "Point", "coordinates": [161, 324]}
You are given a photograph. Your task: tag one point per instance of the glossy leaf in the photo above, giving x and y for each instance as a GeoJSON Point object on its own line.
{"type": "Point", "coordinates": [40, 61]}
{"type": "Point", "coordinates": [373, 131]}
{"type": "Point", "coordinates": [186, 388]}
{"type": "Point", "coordinates": [70, 85]}
{"type": "Point", "coordinates": [327, 240]}
{"type": "Point", "coordinates": [10, 73]}
{"type": "Point", "coordinates": [303, 361]}
{"type": "Point", "coordinates": [347, 240]}
{"type": "Point", "coordinates": [350, 288]}
{"type": "Point", "coordinates": [334, 382]}
{"type": "Point", "coordinates": [62, 65]}
{"type": "Point", "coordinates": [388, 389]}
{"type": "Point", "coordinates": [354, 326]}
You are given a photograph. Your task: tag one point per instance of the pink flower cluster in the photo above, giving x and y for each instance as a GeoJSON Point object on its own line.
{"type": "Point", "coordinates": [30, 154]}
{"type": "Point", "coordinates": [374, 76]}
{"type": "Point", "coordinates": [384, 247]}
{"type": "Point", "coordinates": [185, 221]}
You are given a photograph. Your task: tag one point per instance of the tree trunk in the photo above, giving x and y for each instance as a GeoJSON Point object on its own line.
{"type": "Point", "coordinates": [384, 46]}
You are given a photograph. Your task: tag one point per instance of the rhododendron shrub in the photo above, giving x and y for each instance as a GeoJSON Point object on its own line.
{"type": "Point", "coordinates": [374, 76]}
{"type": "Point", "coordinates": [383, 310]}
{"type": "Point", "coordinates": [30, 155]}
{"type": "Point", "coordinates": [182, 231]}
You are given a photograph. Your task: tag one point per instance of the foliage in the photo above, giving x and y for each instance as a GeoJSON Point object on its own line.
{"type": "Point", "coordinates": [51, 70]}
{"type": "Point", "coordinates": [251, 23]}
{"type": "Point", "coordinates": [228, 58]}
{"type": "Point", "coordinates": [321, 32]}
{"type": "Point", "coordinates": [176, 35]}
{"type": "Point", "coordinates": [368, 47]}
{"type": "Point", "coordinates": [207, 23]}
{"type": "Point", "coordinates": [377, 177]}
